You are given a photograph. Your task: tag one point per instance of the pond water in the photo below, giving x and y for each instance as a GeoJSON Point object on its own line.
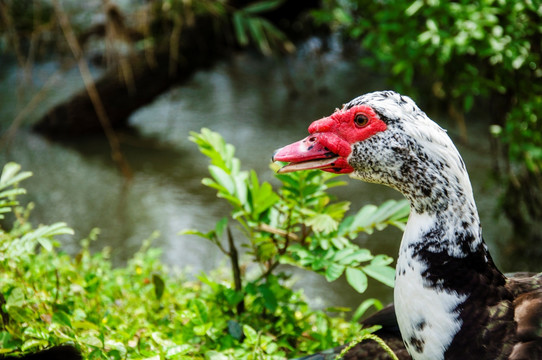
{"type": "Point", "coordinates": [250, 101]}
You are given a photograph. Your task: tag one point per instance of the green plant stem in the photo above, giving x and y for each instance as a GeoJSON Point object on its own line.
{"type": "Point", "coordinates": [364, 337]}
{"type": "Point", "coordinates": [234, 256]}
{"type": "Point", "coordinates": [3, 315]}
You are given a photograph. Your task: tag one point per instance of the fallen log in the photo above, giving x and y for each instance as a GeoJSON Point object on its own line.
{"type": "Point", "coordinates": [205, 40]}
{"type": "Point", "coordinates": [200, 47]}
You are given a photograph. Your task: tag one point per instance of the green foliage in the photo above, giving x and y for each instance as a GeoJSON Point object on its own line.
{"type": "Point", "coordinates": [523, 133]}
{"type": "Point", "coordinates": [144, 310]}
{"type": "Point", "coordinates": [25, 239]}
{"type": "Point", "coordinates": [460, 50]}
{"type": "Point", "coordinates": [248, 24]}
{"type": "Point", "coordinates": [49, 298]}
{"type": "Point", "coordinates": [9, 178]}
{"type": "Point", "coordinates": [156, 23]}
{"type": "Point", "coordinates": [299, 224]}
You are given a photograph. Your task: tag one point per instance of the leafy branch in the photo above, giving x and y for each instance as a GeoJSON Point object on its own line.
{"type": "Point", "coordinates": [49, 297]}
{"type": "Point", "coordinates": [12, 249]}
{"type": "Point", "coordinates": [299, 224]}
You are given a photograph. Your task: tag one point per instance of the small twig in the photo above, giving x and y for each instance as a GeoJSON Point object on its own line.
{"type": "Point", "coordinates": [34, 102]}
{"type": "Point", "coordinates": [269, 270]}
{"type": "Point", "coordinates": [285, 234]}
{"type": "Point", "coordinates": [222, 248]}
{"type": "Point", "coordinates": [217, 242]}
{"type": "Point", "coordinates": [12, 33]}
{"type": "Point", "coordinates": [234, 256]}
{"type": "Point", "coordinates": [287, 241]}
{"type": "Point", "coordinates": [57, 286]}
{"type": "Point", "coordinates": [305, 232]}
{"type": "Point", "coordinates": [174, 45]}
{"type": "Point", "coordinates": [3, 314]}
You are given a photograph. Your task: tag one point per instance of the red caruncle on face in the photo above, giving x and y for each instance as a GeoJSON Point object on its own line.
{"type": "Point", "coordinates": [346, 127]}
{"type": "Point", "coordinates": [331, 140]}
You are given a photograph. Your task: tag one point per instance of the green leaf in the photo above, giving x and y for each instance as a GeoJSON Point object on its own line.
{"type": "Point", "coordinates": [210, 235]}
{"type": "Point", "coordinates": [322, 223]}
{"type": "Point", "coordinates": [384, 274]}
{"type": "Point", "coordinates": [220, 226]}
{"type": "Point", "coordinates": [414, 7]}
{"type": "Point", "coordinates": [178, 350]}
{"type": "Point", "coordinates": [200, 309]}
{"type": "Point", "coordinates": [202, 329]}
{"type": "Point", "coordinates": [270, 300]}
{"type": "Point", "coordinates": [334, 271]}
{"type": "Point", "coordinates": [12, 193]}
{"type": "Point", "coordinates": [251, 335]}
{"type": "Point", "coordinates": [381, 260]}
{"type": "Point", "coordinates": [338, 209]}
{"type": "Point", "coordinates": [15, 298]}
{"type": "Point", "coordinates": [32, 343]}
{"type": "Point", "coordinates": [364, 306]}
{"type": "Point", "coordinates": [239, 27]}
{"type": "Point", "coordinates": [258, 35]}
{"type": "Point", "coordinates": [213, 184]}
{"type": "Point", "coordinates": [235, 329]}
{"type": "Point", "coordinates": [43, 234]}
{"type": "Point", "coordinates": [161, 340]}
{"type": "Point", "coordinates": [372, 217]}
{"type": "Point", "coordinates": [343, 253]}
{"type": "Point", "coordinates": [357, 279]}
{"type": "Point", "coordinates": [159, 286]}
{"type": "Point", "coordinates": [91, 338]}
{"type": "Point", "coordinates": [212, 355]}
{"type": "Point", "coordinates": [5, 339]}
{"type": "Point", "coordinates": [263, 198]}
{"type": "Point", "coordinates": [10, 175]}
{"type": "Point", "coordinates": [262, 6]}
{"type": "Point", "coordinates": [62, 318]}
{"type": "Point", "coordinates": [355, 257]}
{"type": "Point", "coordinates": [363, 218]}
{"type": "Point", "coordinates": [222, 178]}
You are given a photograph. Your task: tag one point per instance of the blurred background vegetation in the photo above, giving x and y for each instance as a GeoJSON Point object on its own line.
{"type": "Point", "coordinates": [106, 92]}
{"type": "Point", "coordinates": [472, 58]}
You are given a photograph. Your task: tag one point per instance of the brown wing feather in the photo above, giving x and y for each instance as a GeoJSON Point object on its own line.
{"type": "Point", "coordinates": [527, 314]}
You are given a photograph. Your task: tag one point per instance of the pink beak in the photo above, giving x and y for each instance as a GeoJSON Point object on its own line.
{"type": "Point", "coordinates": [314, 152]}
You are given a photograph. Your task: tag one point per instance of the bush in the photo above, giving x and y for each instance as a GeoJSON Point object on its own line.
{"type": "Point", "coordinates": [142, 310]}
{"type": "Point", "coordinates": [146, 310]}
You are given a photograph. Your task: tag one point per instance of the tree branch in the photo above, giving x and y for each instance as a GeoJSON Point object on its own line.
{"type": "Point", "coordinates": [234, 256]}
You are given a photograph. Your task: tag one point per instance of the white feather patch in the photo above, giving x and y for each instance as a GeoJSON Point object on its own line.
{"type": "Point", "coordinates": [418, 304]}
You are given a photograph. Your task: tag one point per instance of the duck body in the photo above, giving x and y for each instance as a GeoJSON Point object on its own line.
{"type": "Point", "coordinates": [451, 302]}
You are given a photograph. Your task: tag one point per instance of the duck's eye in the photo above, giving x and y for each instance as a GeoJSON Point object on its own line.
{"type": "Point", "coordinates": [361, 120]}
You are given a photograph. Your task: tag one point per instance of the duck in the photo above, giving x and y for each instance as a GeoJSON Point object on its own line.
{"type": "Point", "coordinates": [450, 300]}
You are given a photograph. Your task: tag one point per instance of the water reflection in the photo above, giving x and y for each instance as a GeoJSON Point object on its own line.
{"type": "Point", "coordinates": [258, 105]}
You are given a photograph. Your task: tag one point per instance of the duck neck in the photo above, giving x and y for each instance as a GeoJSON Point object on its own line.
{"type": "Point", "coordinates": [445, 237]}
{"type": "Point", "coordinates": [444, 273]}
{"type": "Point", "coordinates": [443, 233]}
